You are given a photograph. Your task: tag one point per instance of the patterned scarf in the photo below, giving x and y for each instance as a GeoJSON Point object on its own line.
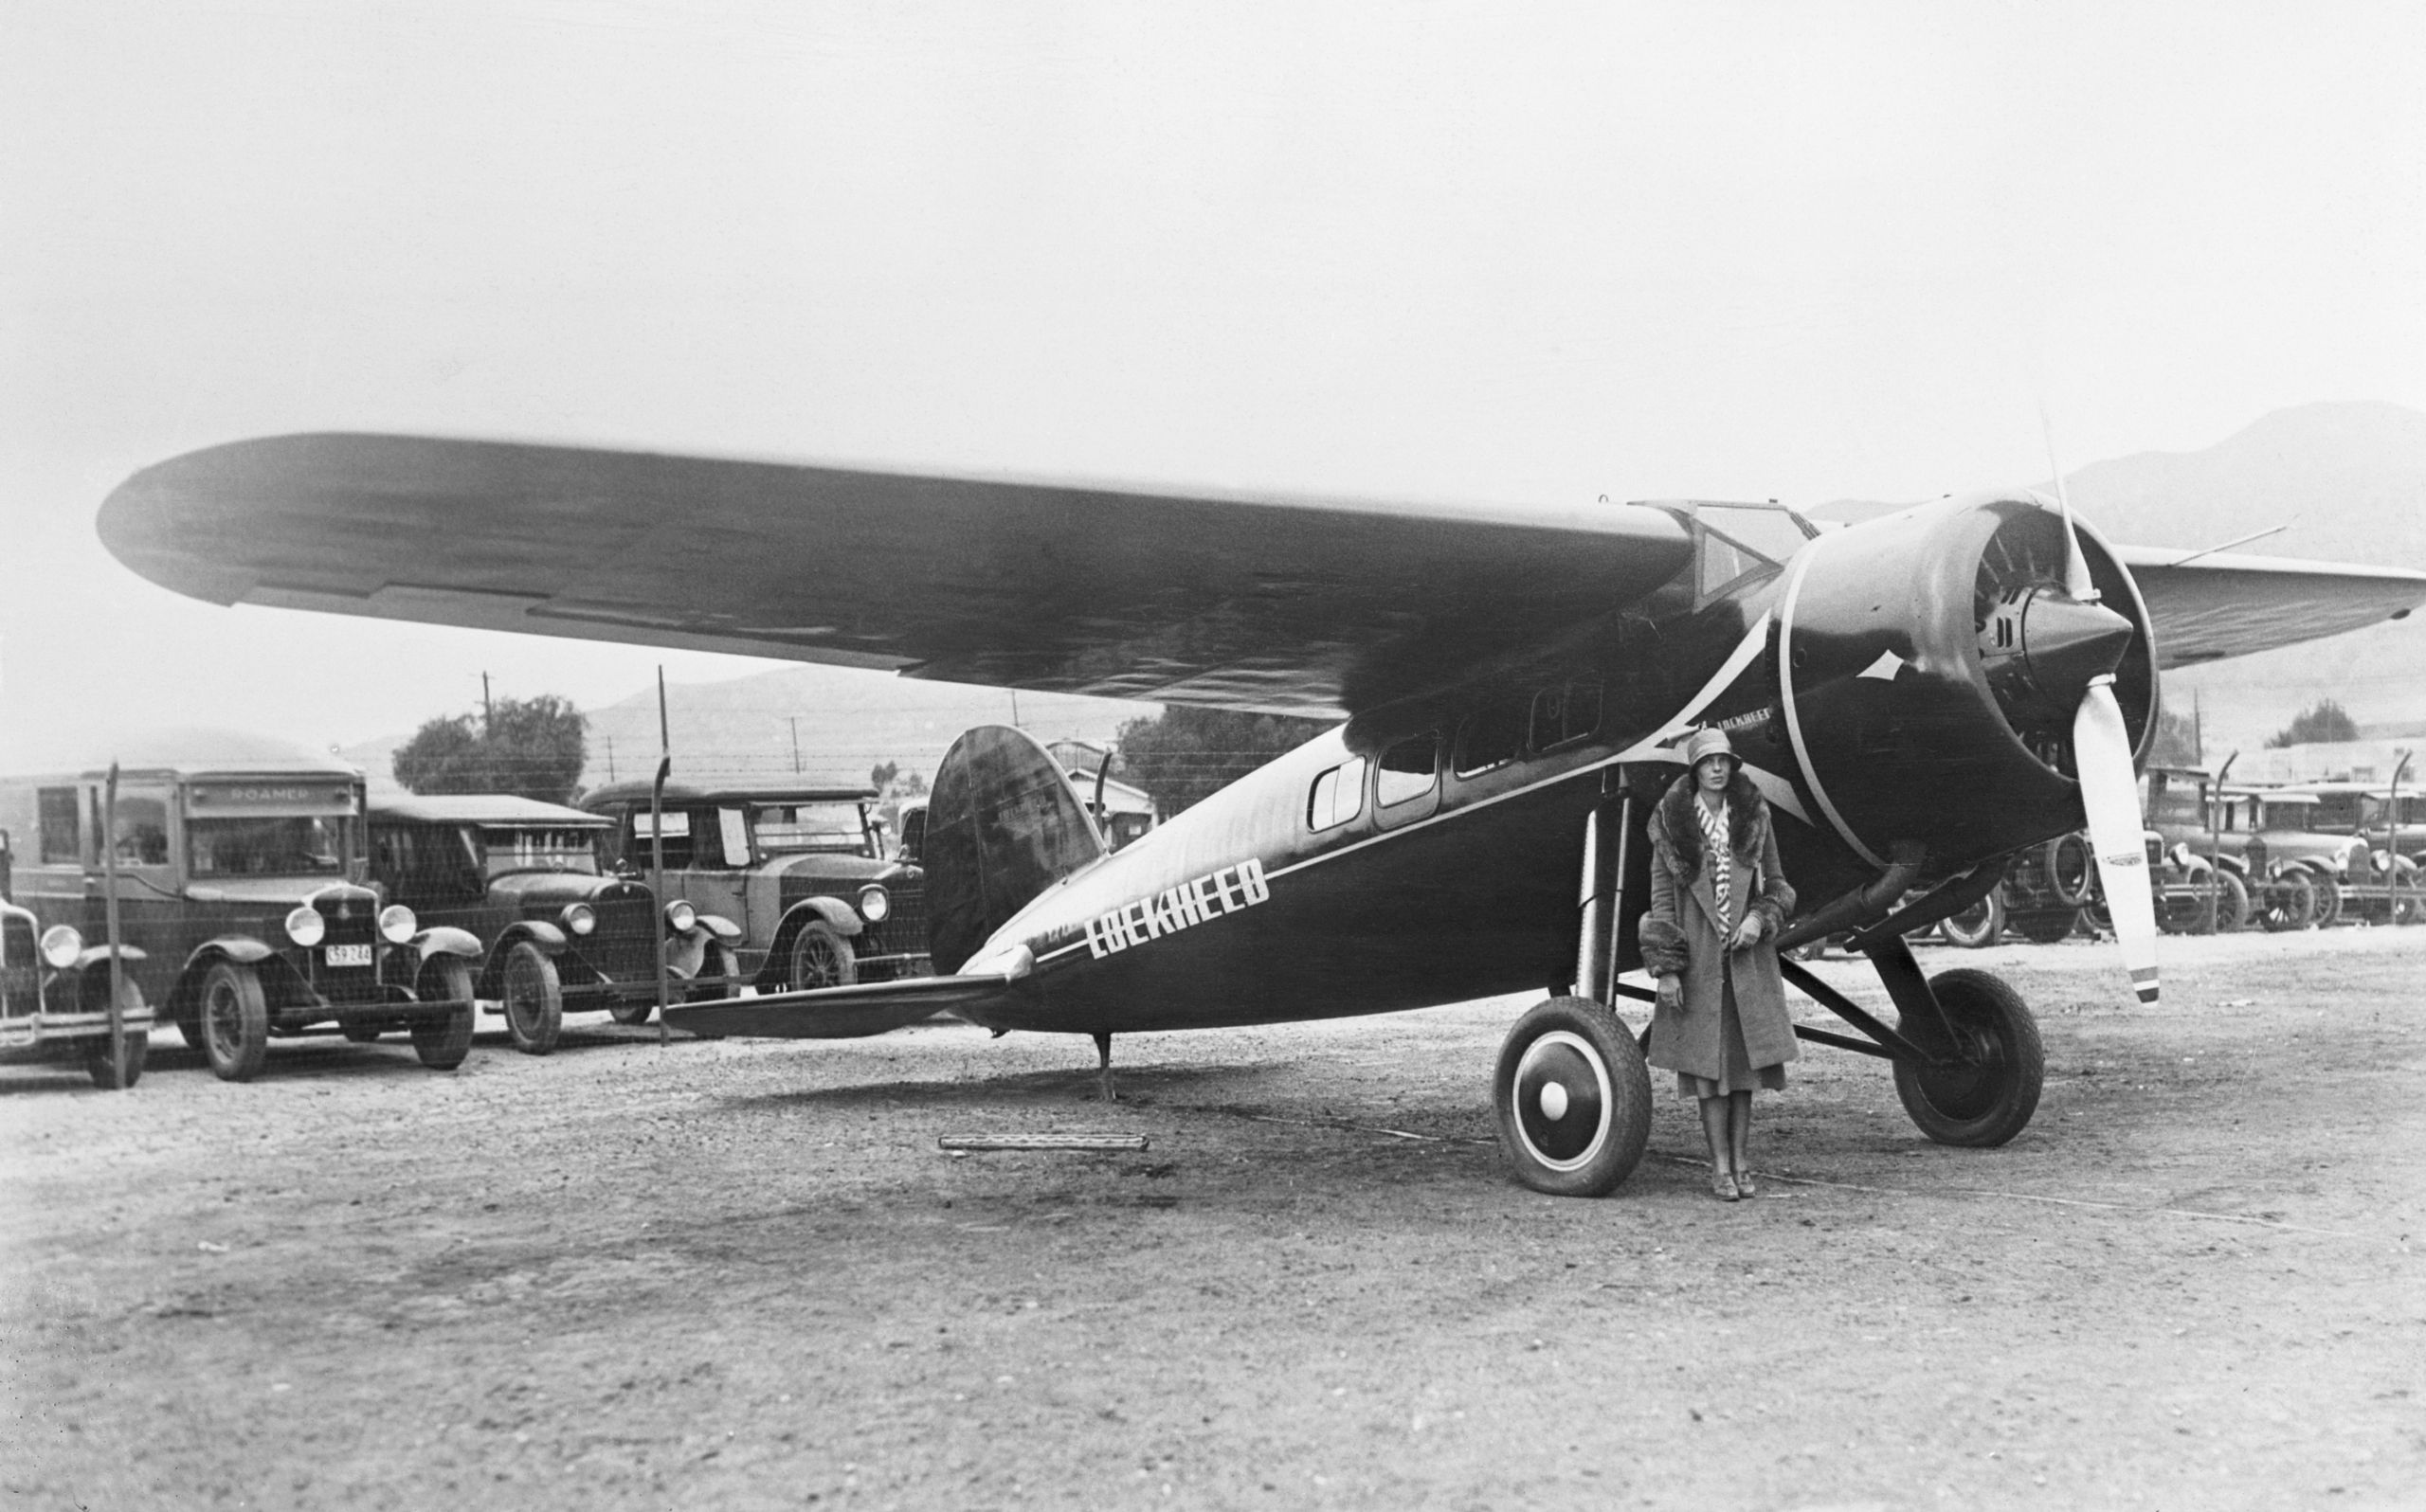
{"type": "Point", "coordinates": [1721, 862]}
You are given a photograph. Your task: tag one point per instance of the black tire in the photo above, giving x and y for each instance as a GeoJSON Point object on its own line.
{"type": "Point", "coordinates": [2328, 900]}
{"type": "Point", "coordinates": [534, 998]}
{"type": "Point", "coordinates": [1978, 926]}
{"type": "Point", "coordinates": [2188, 908]}
{"type": "Point", "coordinates": [1573, 1099]}
{"type": "Point", "coordinates": [138, 1043]}
{"type": "Point", "coordinates": [2288, 902]}
{"type": "Point", "coordinates": [719, 962]}
{"type": "Point", "coordinates": [2044, 927]}
{"type": "Point", "coordinates": [442, 1041]}
{"type": "Point", "coordinates": [2096, 919]}
{"type": "Point", "coordinates": [634, 1010]}
{"type": "Point", "coordinates": [1991, 1098]}
{"type": "Point", "coordinates": [362, 1032]}
{"type": "Point", "coordinates": [2232, 904]}
{"type": "Point", "coordinates": [232, 1016]}
{"type": "Point", "coordinates": [820, 956]}
{"type": "Point", "coordinates": [2072, 876]}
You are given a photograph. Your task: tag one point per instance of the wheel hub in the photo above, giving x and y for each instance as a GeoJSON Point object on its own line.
{"type": "Point", "coordinates": [1561, 1100]}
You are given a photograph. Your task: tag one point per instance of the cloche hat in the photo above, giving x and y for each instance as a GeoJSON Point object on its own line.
{"type": "Point", "coordinates": [1709, 741]}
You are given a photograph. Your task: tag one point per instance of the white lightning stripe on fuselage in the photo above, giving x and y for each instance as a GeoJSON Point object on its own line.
{"type": "Point", "coordinates": [1786, 689]}
{"type": "Point", "coordinates": [1645, 750]}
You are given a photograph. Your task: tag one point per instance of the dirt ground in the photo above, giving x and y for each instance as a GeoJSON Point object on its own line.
{"type": "Point", "coordinates": [741, 1274]}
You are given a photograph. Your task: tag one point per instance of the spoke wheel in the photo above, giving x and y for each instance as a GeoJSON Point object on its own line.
{"type": "Point", "coordinates": [1572, 1098]}
{"type": "Point", "coordinates": [820, 957]}
{"type": "Point", "coordinates": [2291, 902]}
{"type": "Point", "coordinates": [139, 1044]}
{"type": "Point", "coordinates": [535, 999]}
{"type": "Point", "coordinates": [1988, 1094]}
{"type": "Point", "coordinates": [443, 1040]}
{"type": "Point", "coordinates": [2329, 902]}
{"type": "Point", "coordinates": [2232, 904]}
{"type": "Point", "coordinates": [234, 1019]}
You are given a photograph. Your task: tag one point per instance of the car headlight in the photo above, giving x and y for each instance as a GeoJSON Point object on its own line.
{"type": "Point", "coordinates": [2379, 861]}
{"type": "Point", "coordinates": [681, 917]}
{"type": "Point", "coordinates": [875, 903]}
{"type": "Point", "coordinates": [60, 945]}
{"type": "Point", "coordinates": [305, 926]}
{"type": "Point", "coordinates": [580, 918]}
{"type": "Point", "coordinates": [397, 923]}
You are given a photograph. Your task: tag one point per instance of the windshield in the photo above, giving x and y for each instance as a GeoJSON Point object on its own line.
{"type": "Point", "coordinates": [538, 849]}
{"type": "Point", "coordinates": [785, 828]}
{"type": "Point", "coordinates": [2339, 811]}
{"type": "Point", "coordinates": [268, 846]}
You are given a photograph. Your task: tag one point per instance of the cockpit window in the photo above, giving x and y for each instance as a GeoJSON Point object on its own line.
{"type": "Point", "coordinates": [1740, 542]}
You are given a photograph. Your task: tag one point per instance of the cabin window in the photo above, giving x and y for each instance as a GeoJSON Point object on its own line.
{"type": "Point", "coordinates": [1492, 737]}
{"type": "Point", "coordinates": [57, 807]}
{"type": "Point", "coordinates": [1408, 770]}
{"type": "Point", "coordinates": [141, 837]}
{"type": "Point", "coordinates": [735, 826]}
{"type": "Point", "coordinates": [1338, 796]}
{"type": "Point", "coordinates": [677, 837]}
{"type": "Point", "coordinates": [1565, 715]}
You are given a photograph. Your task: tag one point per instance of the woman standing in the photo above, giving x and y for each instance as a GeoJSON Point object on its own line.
{"type": "Point", "coordinates": [1718, 900]}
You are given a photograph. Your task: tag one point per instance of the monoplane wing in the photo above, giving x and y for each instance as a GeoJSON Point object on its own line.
{"type": "Point", "coordinates": [1283, 605]}
{"type": "Point", "coordinates": [2217, 605]}
{"type": "Point", "coordinates": [854, 1012]}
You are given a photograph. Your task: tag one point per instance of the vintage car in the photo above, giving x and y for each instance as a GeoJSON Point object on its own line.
{"type": "Point", "coordinates": [55, 999]}
{"type": "Point", "coordinates": [243, 896]}
{"type": "Point", "coordinates": [2393, 824]}
{"type": "Point", "coordinates": [2200, 885]}
{"type": "Point", "coordinates": [2296, 874]}
{"type": "Point", "coordinates": [561, 936]}
{"type": "Point", "coordinates": [801, 869]}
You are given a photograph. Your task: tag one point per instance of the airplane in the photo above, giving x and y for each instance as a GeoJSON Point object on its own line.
{"type": "Point", "coordinates": [1920, 696]}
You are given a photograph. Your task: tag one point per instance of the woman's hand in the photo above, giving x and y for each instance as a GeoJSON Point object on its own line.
{"type": "Point", "coordinates": [1672, 995]}
{"type": "Point", "coordinates": [1748, 934]}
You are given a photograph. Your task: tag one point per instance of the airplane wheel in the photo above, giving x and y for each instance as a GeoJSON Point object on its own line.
{"type": "Point", "coordinates": [442, 1042]}
{"type": "Point", "coordinates": [820, 957]}
{"type": "Point", "coordinates": [1573, 1099]}
{"type": "Point", "coordinates": [535, 999]}
{"type": "Point", "coordinates": [2232, 904]}
{"type": "Point", "coordinates": [2291, 902]}
{"type": "Point", "coordinates": [234, 1021]}
{"type": "Point", "coordinates": [1978, 926]}
{"type": "Point", "coordinates": [1990, 1097]}
{"type": "Point", "coordinates": [718, 962]}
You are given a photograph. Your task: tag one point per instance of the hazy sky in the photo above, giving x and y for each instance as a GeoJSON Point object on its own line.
{"type": "Point", "coordinates": [1496, 251]}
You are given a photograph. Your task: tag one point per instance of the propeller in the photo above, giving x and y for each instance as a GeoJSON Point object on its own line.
{"type": "Point", "coordinates": [2109, 785]}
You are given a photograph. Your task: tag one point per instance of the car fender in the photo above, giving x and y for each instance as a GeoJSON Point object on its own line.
{"type": "Point", "coordinates": [722, 927]}
{"type": "Point", "coordinates": [281, 986]}
{"type": "Point", "coordinates": [2233, 864]}
{"type": "Point", "coordinates": [548, 937]}
{"type": "Point", "coordinates": [844, 918]}
{"type": "Point", "coordinates": [2316, 866]}
{"type": "Point", "coordinates": [446, 940]}
{"type": "Point", "coordinates": [240, 948]}
{"type": "Point", "coordinates": [95, 955]}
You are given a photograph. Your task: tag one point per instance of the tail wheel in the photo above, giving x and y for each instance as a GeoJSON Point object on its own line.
{"type": "Point", "coordinates": [535, 999]}
{"type": "Point", "coordinates": [820, 956]}
{"type": "Point", "coordinates": [234, 1021]}
{"type": "Point", "coordinates": [2289, 901]}
{"type": "Point", "coordinates": [1978, 926]}
{"type": "Point", "coordinates": [722, 964]}
{"type": "Point", "coordinates": [443, 1040]}
{"type": "Point", "coordinates": [1573, 1099]}
{"type": "Point", "coordinates": [1987, 1093]}
{"type": "Point", "coordinates": [137, 1043]}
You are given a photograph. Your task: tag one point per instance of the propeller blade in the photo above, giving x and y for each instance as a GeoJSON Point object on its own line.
{"type": "Point", "coordinates": [2077, 579]}
{"type": "Point", "coordinates": [2111, 793]}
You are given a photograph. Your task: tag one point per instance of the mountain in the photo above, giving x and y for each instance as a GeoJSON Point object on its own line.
{"type": "Point", "coordinates": [846, 721]}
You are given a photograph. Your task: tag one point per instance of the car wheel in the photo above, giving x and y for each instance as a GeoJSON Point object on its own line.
{"type": "Point", "coordinates": [1978, 926]}
{"type": "Point", "coordinates": [234, 1021]}
{"type": "Point", "coordinates": [360, 1032]}
{"type": "Point", "coordinates": [723, 964]}
{"type": "Point", "coordinates": [820, 957]}
{"type": "Point", "coordinates": [2329, 902]}
{"type": "Point", "coordinates": [442, 1041]}
{"type": "Point", "coordinates": [2186, 908]}
{"type": "Point", "coordinates": [1990, 1095]}
{"type": "Point", "coordinates": [2044, 927]}
{"type": "Point", "coordinates": [1572, 1098]}
{"type": "Point", "coordinates": [2071, 874]}
{"type": "Point", "coordinates": [138, 1043]}
{"type": "Point", "coordinates": [2291, 902]}
{"type": "Point", "coordinates": [2232, 904]}
{"type": "Point", "coordinates": [535, 999]}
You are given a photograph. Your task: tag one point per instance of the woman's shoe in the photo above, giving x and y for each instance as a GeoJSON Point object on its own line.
{"type": "Point", "coordinates": [1744, 1186]}
{"type": "Point", "coordinates": [1721, 1185]}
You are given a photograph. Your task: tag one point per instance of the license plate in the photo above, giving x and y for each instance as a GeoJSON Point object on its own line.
{"type": "Point", "coordinates": [350, 955]}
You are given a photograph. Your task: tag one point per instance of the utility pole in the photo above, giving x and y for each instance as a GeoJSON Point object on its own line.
{"type": "Point", "coordinates": [611, 757]}
{"type": "Point", "coordinates": [488, 709]}
{"type": "Point", "coordinates": [795, 744]}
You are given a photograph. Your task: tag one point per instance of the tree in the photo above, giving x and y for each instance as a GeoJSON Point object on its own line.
{"type": "Point", "coordinates": [2325, 720]}
{"type": "Point", "coordinates": [533, 748]}
{"type": "Point", "coordinates": [1185, 755]}
{"type": "Point", "coordinates": [2176, 742]}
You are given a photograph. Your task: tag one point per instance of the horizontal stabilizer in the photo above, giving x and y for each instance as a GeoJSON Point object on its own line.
{"type": "Point", "coordinates": [836, 1012]}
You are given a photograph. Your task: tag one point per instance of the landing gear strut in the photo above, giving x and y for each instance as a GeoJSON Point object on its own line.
{"type": "Point", "coordinates": [1103, 1068]}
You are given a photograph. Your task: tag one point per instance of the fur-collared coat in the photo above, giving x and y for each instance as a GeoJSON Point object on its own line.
{"type": "Point", "coordinates": [1682, 934]}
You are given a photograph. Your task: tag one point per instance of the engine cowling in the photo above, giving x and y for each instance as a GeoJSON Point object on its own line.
{"type": "Point", "coordinates": [1930, 665]}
